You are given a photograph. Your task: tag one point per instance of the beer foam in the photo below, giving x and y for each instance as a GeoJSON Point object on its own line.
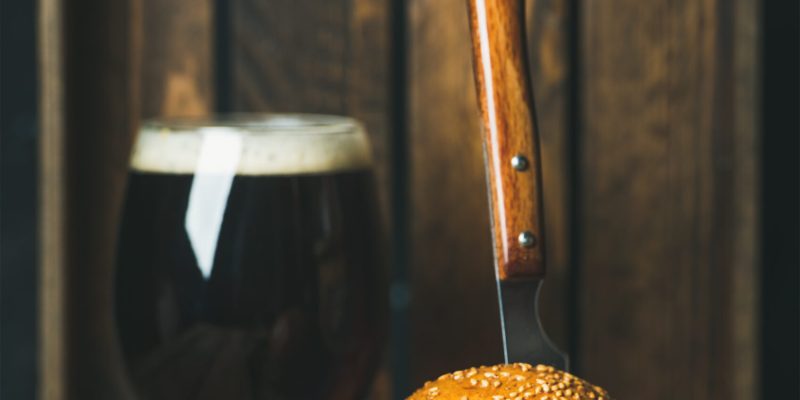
{"type": "Point", "coordinates": [278, 144]}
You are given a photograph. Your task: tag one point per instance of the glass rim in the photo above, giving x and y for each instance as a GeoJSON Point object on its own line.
{"type": "Point", "coordinates": [252, 144]}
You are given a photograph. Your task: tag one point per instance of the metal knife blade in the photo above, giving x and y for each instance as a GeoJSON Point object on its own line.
{"type": "Point", "coordinates": [524, 340]}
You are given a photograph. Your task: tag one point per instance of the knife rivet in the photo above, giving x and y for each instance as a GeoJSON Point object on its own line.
{"type": "Point", "coordinates": [519, 162]}
{"type": "Point", "coordinates": [527, 239]}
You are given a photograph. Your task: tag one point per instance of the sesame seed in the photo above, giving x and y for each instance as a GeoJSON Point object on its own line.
{"type": "Point", "coordinates": [517, 381]}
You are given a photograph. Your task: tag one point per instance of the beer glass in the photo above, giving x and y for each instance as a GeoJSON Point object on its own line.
{"type": "Point", "coordinates": [248, 263]}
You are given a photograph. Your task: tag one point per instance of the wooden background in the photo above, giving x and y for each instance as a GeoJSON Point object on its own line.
{"type": "Point", "coordinates": [649, 120]}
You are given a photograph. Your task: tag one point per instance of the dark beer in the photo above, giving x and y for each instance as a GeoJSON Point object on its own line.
{"type": "Point", "coordinates": [257, 278]}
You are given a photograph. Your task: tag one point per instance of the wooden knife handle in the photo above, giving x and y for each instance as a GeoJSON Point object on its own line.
{"type": "Point", "coordinates": [507, 110]}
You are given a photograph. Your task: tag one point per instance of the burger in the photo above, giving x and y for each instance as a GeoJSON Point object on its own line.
{"type": "Point", "coordinates": [509, 382]}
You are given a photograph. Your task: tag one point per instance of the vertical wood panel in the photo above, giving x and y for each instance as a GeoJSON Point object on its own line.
{"type": "Point", "coordinates": [290, 55]}
{"type": "Point", "coordinates": [177, 59]}
{"type": "Point", "coordinates": [89, 100]}
{"type": "Point", "coordinates": [315, 56]}
{"type": "Point", "coordinates": [454, 315]}
{"type": "Point", "coordinates": [667, 178]}
{"type": "Point", "coordinates": [646, 198]}
{"type": "Point", "coordinates": [52, 336]}
{"type": "Point", "coordinates": [101, 108]}
{"type": "Point", "coordinates": [745, 246]}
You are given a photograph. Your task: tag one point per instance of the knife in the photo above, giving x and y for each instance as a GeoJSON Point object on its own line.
{"type": "Point", "coordinates": [511, 154]}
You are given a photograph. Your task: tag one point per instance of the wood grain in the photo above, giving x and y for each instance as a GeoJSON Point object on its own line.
{"type": "Point", "coordinates": [89, 67]}
{"type": "Point", "coordinates": [667, 198]}
{"type": "Point", "coordinates": [52, 310]}
{"type": "Point", "coordinates": [90, 58]}
{"type": "Point", "coordinates": [510, 132]}
{"type": "Point", "coordinates": [453, 313]}
{"type": "Point", "coordinates": [177, 58]}
{"type": "Point", "coordinates": [745, 247]}
{"type": "Point", "coordinates": [316, 56]}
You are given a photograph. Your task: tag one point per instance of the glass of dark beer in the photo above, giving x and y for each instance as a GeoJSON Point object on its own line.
{"type": "Point", "coordinates": [248, 263]}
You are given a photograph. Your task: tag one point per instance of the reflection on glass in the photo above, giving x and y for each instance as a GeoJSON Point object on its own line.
{"type": "Point", "coordinates": [248, 264]}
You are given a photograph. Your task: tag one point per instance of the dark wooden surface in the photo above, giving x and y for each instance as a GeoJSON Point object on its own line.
{"type": "Point", "coordinates": [500, 62]}
{"type": "Point", "coordinates": [101, 91]}
{"type": "Point", "coordinates": [666, 216]}
{"type": "Point", "coordinates": [315, 56]}
{"type": "Point", "coordinates": [648, 138]}
{"type": "Point", "coordinates": [52, 321]}
{"type": "Point", "coordinates": [453, 313]}
{"type": "Point", "coordinates": [177, 58]}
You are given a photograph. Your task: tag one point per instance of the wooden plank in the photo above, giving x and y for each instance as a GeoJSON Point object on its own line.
{"type": "Point", "coordinates": [745, 247]}
{"type": "Point", "coordinates": [289, 55]}
{"type": "Point", "coordinates": [177, 59]}
{"type": "Point", "coordinates": [367, 94]}
{"type": "Point", "coordinates": [660, 227]}
{"type": "Point", "coordinates": [315, 56]}
{"type": "Point", "coordinates": [86, 134]}
{"type": "Point", "coordinates": [52, 336]}
{"type": "Point", "coordinates": [454, 314]}
{"type": "Point", "coordinates": [88, 64]}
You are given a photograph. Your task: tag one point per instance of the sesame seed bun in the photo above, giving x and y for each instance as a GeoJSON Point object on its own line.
{"type": "Point", "coordinates": [509, 382]}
